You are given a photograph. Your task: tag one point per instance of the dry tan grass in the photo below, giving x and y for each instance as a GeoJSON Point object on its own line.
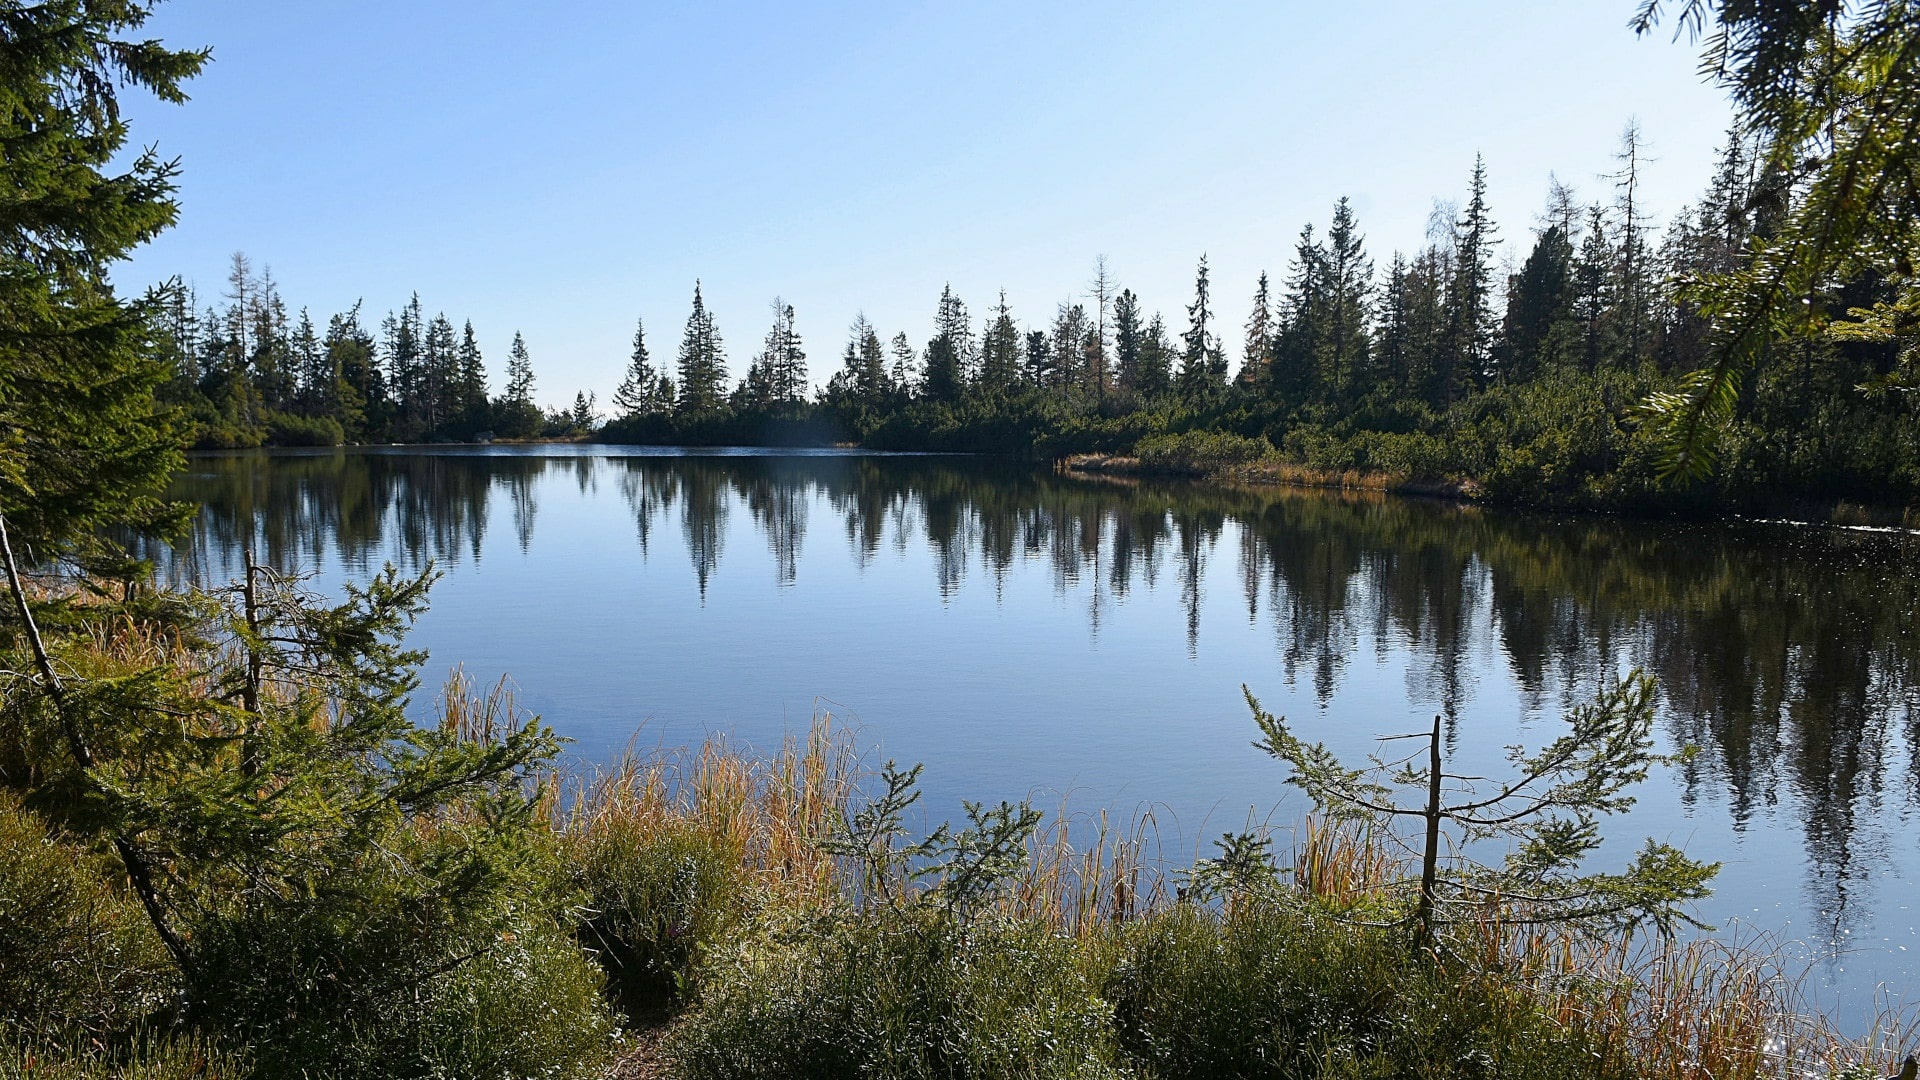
{"type": "Point", "coordinates": [769, 810]}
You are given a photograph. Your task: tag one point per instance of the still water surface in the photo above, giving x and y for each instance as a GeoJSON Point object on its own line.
{"type": "Point", "coordinates": [1080, 641]}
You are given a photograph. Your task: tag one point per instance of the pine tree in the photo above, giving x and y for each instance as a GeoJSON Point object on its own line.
{"type": "Point", "coordinates": [1156, 360]}
{"type": "Point", "coordinates": [470, 388]}
{"type": "Point", "coordinates": [790, 362]}
{"type": "Point", "coordinates": [702, 362]}
{"type": "Point", "coordinates": [1342, 345]}
{"type": "Point", "coordinates": [635, 395]}
{"type": "Point", "coordinates": [1468, 341]}
{"type": "Point", "coordinates": [516, 415]}
{"type": "Point", "coordinates": [1127, 340]}
{"type": "Point", "coordinates": [519, 372]}
{"type": "Point", "coordinates": [355, 370]}
{"type": "Point", "coordinates": [1202, 362]}
{"type": "Point", "coordinates": [316, 375]}
{"type": "Point", "coordinates": [1593, 282]}
{"type": "Point", "coordinates": [903, 364]}
{"type": "Point", "coordinates": [1258, 350]}
{"type": "Point", "coordinates": [585, 416]}
{"type": "Point", "coordinates": [1039, 363]}
{"type": "Point", "coordinates": [948, 352]}
{"type": "Point", "coordinates": [1539, 301]}
{"type": "Point", "coordinates": [1293, 377]}
{"type": "Point", "coordinates": [81, 445]}
{"type": "Point", "coordinates": [440, 374]}
{"type": "Point", "coordinates": [1000, 351]}
{"type": "Point", "coordinates": [1070, 329]}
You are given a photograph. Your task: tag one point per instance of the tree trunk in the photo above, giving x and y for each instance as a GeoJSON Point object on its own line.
{"type": "Point", "coordinates": [1430, 855]}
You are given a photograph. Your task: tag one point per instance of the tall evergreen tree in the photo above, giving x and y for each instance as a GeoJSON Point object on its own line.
{"type": "Point", "coordinates": [359, 390]}
{"type": "Point", "coordinates": [1040, 368]}
{"type": "Point", "coordinates": [1203, 365]}
{"type": "Point", "coordinates": [1127, 340]}
{"type": "Point", "coordinates": [1293, 376]}
{"type": "Point", "coordinates": [1468, 342]}
{"type": "Point", "coordinates": [904, 368]}
{"type": "Point", "coordinates": [1070, 328]}
{"type": "Point", "coordinates": [1539, 302]}
{"type": "Point", "coordinates": [440, 375]}
{"type": "Point", "coordinates": [702, 362]}
{"type": "Point", "coordinates": [1342, 345]}
{"type": "Point", "coordinates": [469, 403]}
{"type": "Point", "coordinates": [1000, 352]}
{"type": "Point", "coordinates": [517, 416]}
{"type": "Point", "coordinates": [1258, 350]}
{"type": "Point", "coordinates": [1593, 283]}
{"type": "Point", "coordinates": [635, 394]}
{"type": "Point", "coordinates": [948, 352]}
{"type": "Point", "coordinates": [1156, 360]}
{"type": "Point", "coordinates": [316, 375]}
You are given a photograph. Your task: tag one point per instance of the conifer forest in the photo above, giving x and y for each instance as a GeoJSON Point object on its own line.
{"type": "Point", "coordinates": [1485, 651]}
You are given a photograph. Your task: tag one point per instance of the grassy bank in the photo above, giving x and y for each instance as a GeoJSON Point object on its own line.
{"type": "Point", "coordinates": [1217, 456]}
{"type": "Point", "coordinates": [712, 913]}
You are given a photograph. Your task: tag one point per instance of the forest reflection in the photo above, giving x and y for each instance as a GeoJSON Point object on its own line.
{"type": "Point", "coordinates": [1786, 654]}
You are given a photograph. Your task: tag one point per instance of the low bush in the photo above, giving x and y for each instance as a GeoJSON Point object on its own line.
{"type": "Point", "coordinates": [656, 899]}
{"type": "Point", "coordinates": [1198, 452]}
{"type": "Point", "coordinates": [404, 990]}
{"type": "Point", "coordinates": [1274, 990]}
{"type": "Point", "coordinates": [898, 993]}
{"type": "Point", "coordinates": [290, 429]}
{"type": "Point", "coordinates": [77, 956]}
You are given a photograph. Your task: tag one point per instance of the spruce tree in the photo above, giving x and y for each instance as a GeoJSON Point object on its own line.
{"type": "Point", "coordinates": [1593, 282]}
{"type": "Point", "coordinates": [1258, 350]}
{"type": "Point", "coordinates": [1000, 357]}
{"type": "Point", "coordinates": [355, 372]}
{"type": "Point", "coordinates": [316, 375]}
{"type": "Point", "coordinates": [1293, 378]}
{"type": "Point", "coordinates": [441, 375]}
{"type": "Point", "coordinates": [1127, 340]}
{"type": "Point", "coordinates": [702, 363]}
{"type": "Point", "coordinates": [635, 394]}
{"type": "Point", "coordinates": [1070, 330]}
{"type": "Point", "coordinates": [470, 399]}
{"type": "Point", "coordinates": [1156, 360]}
{"type": "Point", "coordinates": [1470, 330]}
{"type": "Point", "coordinates": [1202, 362]}
{"type": "Point", "coordinates": [1348, 288]}
{"type": "Point", "coordinates": [1539, 301]}
{"type": "Point", "coordinates": [81, 444]}
{"type": "Point", "coordinates": [948, 350]}
{"type": "Point", "coordinates": [516, 415]}
{"type": "Point", "coordinates": [1039, 359]}
{"type": "Point", "coordinates": [903, 363]}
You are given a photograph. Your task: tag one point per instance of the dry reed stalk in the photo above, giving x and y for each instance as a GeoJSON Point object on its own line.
{"type": "Point", "coordinates": [1080, 892]}
{"type": "Point", "coordinates": [768, 811]}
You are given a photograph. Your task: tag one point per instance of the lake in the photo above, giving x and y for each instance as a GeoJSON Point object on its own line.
{"type": "Point", "coordinates": [1083, 642]}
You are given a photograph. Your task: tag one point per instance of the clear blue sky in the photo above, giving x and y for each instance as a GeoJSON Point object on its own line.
{"type": "Point", "coordinates": [561, 169]}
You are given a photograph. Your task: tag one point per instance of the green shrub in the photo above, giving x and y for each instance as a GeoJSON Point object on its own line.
{"type": "Point", "coordinates": [404, 988]}
{"type": "Point", "coordinates": [1276, 991]}
{"type": "Point", "coordinates": [76, 954]}
{"type": "Point", "coordinates": [897, 994]}
{"type": "Point", "coordinates": [1196, 452]}
{"type": "Point", "coordinates": [657, 897]}
{"type": "Point", "coordinates": [289, 429]}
